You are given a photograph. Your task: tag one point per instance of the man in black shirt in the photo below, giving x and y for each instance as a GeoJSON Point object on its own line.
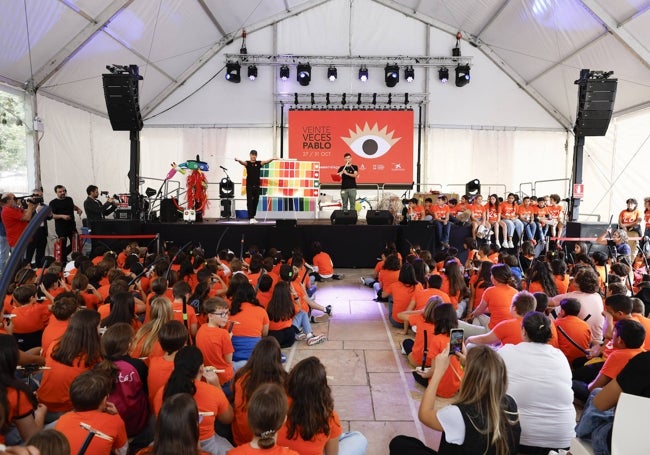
{"type": "Point", "coordinates": [95, 210]}
{"type": "Point", "coordinates": [348, 173]}
{"type": "Point", "coordinates": [253, 182]}
{"type": "Point", "coordinates": [37, 246]}
{"type": "Point", "coordinates": [63, 210]}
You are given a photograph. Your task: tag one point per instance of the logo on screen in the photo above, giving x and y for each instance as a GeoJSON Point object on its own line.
{"type": "Point", "coordinates": [370, 142]}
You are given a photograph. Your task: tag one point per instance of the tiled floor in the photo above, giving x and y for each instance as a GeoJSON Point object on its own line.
{"type": "Point", "coordinates": [374, 391]}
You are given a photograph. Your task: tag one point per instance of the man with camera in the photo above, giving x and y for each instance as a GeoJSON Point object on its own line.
{"type": "Point", "coordinates": [94, 208]}
{"type": "Point", "coordinates": [14, 218]}
{"type": "Point", "coordinates": [36, 248]}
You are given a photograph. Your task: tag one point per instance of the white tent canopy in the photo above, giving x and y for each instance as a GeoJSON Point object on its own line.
{"type": "Point", "coordinates": [508, 126]}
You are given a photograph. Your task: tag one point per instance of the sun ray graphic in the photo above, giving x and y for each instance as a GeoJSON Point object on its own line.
{"type": "Point", "coordinates": [374, 131]}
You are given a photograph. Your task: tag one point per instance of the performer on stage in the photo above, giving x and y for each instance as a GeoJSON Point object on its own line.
{"type": "Point", "coordinates": [63, 210]}
{"type": "Point", "coordinates": [348, 173]}
{"type": "Point", "coordinates": [253, 182]}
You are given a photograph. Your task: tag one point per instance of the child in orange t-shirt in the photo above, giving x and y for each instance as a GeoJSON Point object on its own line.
{"type": "Point", "coordinates": [172, 337]}
{"type": "Point", "coordinates": [62, 309]}
{"type": "Point", "coordinates": [31, 317]}
{"type": "Point", "coordinates": [214, 342]}
{"type": "Point", "coordinates": [323, 265]}
{"type": "Point", "coordinates": [267, 413]}
{"type": "Point", "coordinates": [576, 329]}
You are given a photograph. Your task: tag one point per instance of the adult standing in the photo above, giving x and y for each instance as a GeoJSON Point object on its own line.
{"type": "Point", "coordinates": [253, 182]}
{"type": "Point", "coordinates": [36, 248]}
{"type": "Point", "coordinates": [15, 218]}
{"type": "Point", "coordinates": [63, 210]}
{"type": "Point", "coordinates": [349, 173]}
{"type": "Point", "coordinates": [95, 210]}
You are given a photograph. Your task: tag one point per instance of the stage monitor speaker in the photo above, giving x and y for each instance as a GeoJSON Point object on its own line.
{"type": "Point", "coordinates": [379, 217]}
{"type": "Point", "coordinates": [168, 211]}
{"type": "Point", "coordinates": [286, 223]}
{"type": "Point", "coordinates": [121, 95]}
{"type": "Point", "coordinates": [473, 187]}
{"type": "Point", "coordinates": [344, 217]}
{"type": "Point", "coordinates": [588, 231]}
{"type": "Point", "coordinates": [595, 106]}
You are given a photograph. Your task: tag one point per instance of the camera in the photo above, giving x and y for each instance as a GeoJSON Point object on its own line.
{"type": "Point", "coordinates": [36, 200]}
{"type": "Point", "coordinates": [104, 193]}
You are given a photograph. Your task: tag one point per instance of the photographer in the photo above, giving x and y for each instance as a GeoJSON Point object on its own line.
{"type": "Point", "coordinates": [36, 248]}
{"type": "Point", "coordinates": [93, 207]}
{"type": "Point", "coordinates": [15, 218]}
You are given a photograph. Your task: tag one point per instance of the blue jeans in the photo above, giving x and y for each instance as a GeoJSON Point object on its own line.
{"type": "Point", "coordinates": [348, 199]}
{"type": "Point", "coordinates": [301, 320]}
{"type": "Point", "coordinates": [352, 443]}
{"type": "Point", "coordinates": [531, 230]}
{"type": "Point", "coordinates": [596, 425]}
{"type": "Point", "coordinates": [442, 231]}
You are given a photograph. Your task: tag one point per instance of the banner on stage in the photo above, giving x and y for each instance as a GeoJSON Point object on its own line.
{"type": "Point", "coordinates": [381, 143]}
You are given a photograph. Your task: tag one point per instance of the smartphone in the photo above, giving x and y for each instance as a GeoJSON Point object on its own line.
{"type": "Point", "coordinates": [455, 341]}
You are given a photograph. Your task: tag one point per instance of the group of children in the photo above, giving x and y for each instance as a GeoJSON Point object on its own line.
{"type": "Point", "coordinates": [119, 336]}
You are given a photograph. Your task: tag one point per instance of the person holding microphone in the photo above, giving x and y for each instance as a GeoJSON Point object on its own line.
{"type": "Point", "coordinates": [349, 173]}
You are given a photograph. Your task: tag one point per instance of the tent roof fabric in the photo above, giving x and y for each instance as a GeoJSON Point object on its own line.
{"type": "Point", "coordinates": [61, 48]}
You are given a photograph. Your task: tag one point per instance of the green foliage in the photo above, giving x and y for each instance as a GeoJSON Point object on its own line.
{"type": "Point", "coordinates": [13, 156]}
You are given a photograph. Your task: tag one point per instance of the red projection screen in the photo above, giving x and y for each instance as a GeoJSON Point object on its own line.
{"type": "Point", "coordinates": [381, 143]}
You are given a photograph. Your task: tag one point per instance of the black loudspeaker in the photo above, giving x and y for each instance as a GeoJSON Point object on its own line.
{"type": "Point", "coordinates": [286, 223]}
{"type": "Point", "coordinates": [344, 217]}
{"type": "Point", "coordinates": [587, 231]}
{"type": "Point", "coordinates": [168, 211]}
{"type": "Point", "coordinates": [473, 187]}
{"type": "Point", "coordinates": [379, 217]}
{"type": "Point", "coordinates": [121, 95]}
{"type": "Point", "coordinates": [595, 106]}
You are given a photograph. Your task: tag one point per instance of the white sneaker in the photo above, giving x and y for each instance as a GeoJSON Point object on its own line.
{"type": "Point", "coordinates": [300, 336]}
{"type": "Point", "coordinates": [252, 221]}
{"type": "Point", "coordinates": [316, 339]}
{"type": "Point", "coordinates": [510, 244]}
{"type": "Point", "coordinates": [498, 245]}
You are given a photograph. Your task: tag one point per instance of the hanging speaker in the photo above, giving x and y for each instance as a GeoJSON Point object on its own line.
{"type": "Point", "coordinates": [121, 95]}
{"type": "Point", "coordinates": [596, 98]}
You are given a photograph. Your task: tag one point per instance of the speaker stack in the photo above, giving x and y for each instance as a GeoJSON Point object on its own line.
{"type": "Point", "coordinates": [121, 95]}
{"type": "Point", "coordinates": [596, 98]}
{"type": "Point", "coordinates": [379, 217]}
{"type": "Point", "coordinates": [344, 217]}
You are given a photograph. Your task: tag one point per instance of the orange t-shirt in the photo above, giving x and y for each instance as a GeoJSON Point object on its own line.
{"type": "Point", "coordinates": [54, 391]}
{"type": "Point", "coordinates": [215, 344]}
{"type": "Point", "coordinates": [247, 449]}
{"type": "Point", "coordinates": [19, 406]}
{"type": "Point", "coordinates": [509, 331]}
{"type": "Point", "coordinates": [324, 263]}
{"type": "Point", "coordinates": [491, 213]}
{"type": "Point", "coordinates": [177, 308]}
{"type": "Point", "coordinates": [251, 318]}
{"type": "Point", "coordinates": [645, 322]}
{"type": "Point", "coordinates": [478, 211]}
{"type": "Point", "coordinates": [450, 382]}
{"type": "Point", "coordinates": [499, 301]}
{"type": "Point", "coordinates": [562, 283]}
{"type": "Point", "coordinates": [440, 212]}
{"type": "Point", "coordinates": [31, 317]}
{"type": "Point", "coordinates": [617, 360]}
{"type": "Point", "coordinates": [209, 399]}
{"type": "Point", "coordinates": [509, 211]}
{"type": "Point", "coordinates": [315, 446]}
{"type": "Point", "coordinates": [453, 298]}
{"type": "Point", "coordinates": [579, 332]}
{"type": "Point", "coordinates": [91, 301]}
{"type": "Point", "coordinates": [527, 214]}
{"type": "Point", "coordinates": [160, 370]}
{"type": "Point", "coordinates": [388, 277]}
{"type": "Point", "coordinates": [630, 217]}
{"type": "Point", "coordinates": [402, 296]}
{"type": "Point", "coordinates": [112, 425]}
{"type": "Point", "coordinates": [417, 351]}
{"type": "Point", "coordinates": [53, 332]}
{"type": "Point", "coordinates": [422, 296]}
{"type": "Point", "coordinates": [241, 433]}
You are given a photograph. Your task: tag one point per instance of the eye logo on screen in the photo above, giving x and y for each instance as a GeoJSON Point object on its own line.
{"type": "Point", "coordinates": [369, 142]}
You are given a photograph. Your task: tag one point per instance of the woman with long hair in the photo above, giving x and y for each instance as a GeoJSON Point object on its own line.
{"type": "Point", "coordinates": [479, 285]}
{"type": "Point", "coordinates": [128, 378]}
{"type": "Point", "coordinates": [539, 379]}
{"type": "Point", "coordinates": [453, 283]}
{"type": "Point", "coordinates": [560, 275]}
{"type": "Point", "coordinates": [287, 321]}
{"type": "Point", "coordinates": [77, 351]}
{"type": "Point", "coordinates": [424, 321]}
{"type": "Point", "coordinates": [251, 323]}
{"type": "Point", "coordinates": [210, 399]}
{"type": "Point", "coordinates": [122, 310]}
{"type": "Point", "coordinates": [496, 299]}
{"type": "Point", "coordinates": [483, 419]}
{"type": "Point", "coordinates": [17, 402]}
{"type": "Point", "coordinates": [263, 366]}
{"type": "Point", "coordinates": [401, 292]}
{"type": "Point", "coordinates": [388, 274]}
{"type": "Point", "coordinates": [145, 342]}
{"type": "Point", "coordinates": [510, 220]}
{"type": "Point", "coordinates": [177, 428]}
{"type": "Point", "coordinates": [541, 279]}
{"type": "Point", "coordinates": [493, 218]}
{"type": "Point", "coordinates": [312, 424]}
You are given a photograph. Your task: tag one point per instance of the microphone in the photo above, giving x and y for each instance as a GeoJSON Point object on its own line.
{"type": "Point", "coordinates": [223, 168]}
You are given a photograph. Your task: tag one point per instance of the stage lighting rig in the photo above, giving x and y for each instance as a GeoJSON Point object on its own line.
{"type": "Point", "coordinates": [391, 75]}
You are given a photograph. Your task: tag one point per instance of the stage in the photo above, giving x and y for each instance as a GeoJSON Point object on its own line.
{"type": "Point", "coordinates": [351, 246]}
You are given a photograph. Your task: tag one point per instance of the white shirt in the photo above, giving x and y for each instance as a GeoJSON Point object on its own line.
{"type": "Point", "coordinates": [590, 304]}
{"type": "Point", "coordinates": [539, 379]}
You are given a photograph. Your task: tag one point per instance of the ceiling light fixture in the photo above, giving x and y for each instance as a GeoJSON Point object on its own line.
{"type": "Point", "coordinates": [284, 72]}
{"type": "Point", "coordinates": [363, 74]}
{"type": "Point", "coordinates": [462, 75]}
{"type": "Point", "coordinates": [233, 72]}
{"type": "Point", "coordinates": [391, 75]}
{"type": "Point", "coordinates": [303, 74]}
{"type": "Point", "coordinates": [409, 74]}
{"type": "Point", "coordinates": [252, 72]}
{"type": "Point", "coordinates": [332, 73]}
{"type": "Point", "coordinates": [443, 75]}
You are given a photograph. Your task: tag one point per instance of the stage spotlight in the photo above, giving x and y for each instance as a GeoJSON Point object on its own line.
{"type": "Point", "coordinates": [252, 72]}
{"type": "Point", "coordinates": [363, 74]}
{"type": "Point", "coordinates": [462, 75]}
{"type": "Point", "coordinates": [233, 72]}
{"type": "Point", "coordinates": [332, 73]}
{"type": "Point", "coordinates": [443, 75]}
{"type": "Point", "coordinates": [303, 74]}
{"type": "Point", "coordinates": [284, 72]}
{"type": "Point", "coordinates": [391, 75]}
{"type": "Point", "coordinates": [409, 74]}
